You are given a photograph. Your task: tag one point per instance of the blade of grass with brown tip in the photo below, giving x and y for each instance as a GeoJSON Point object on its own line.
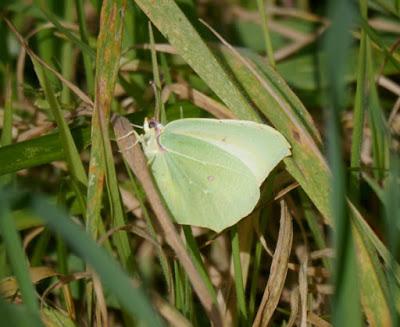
{"type": "Point", "coordinates": [101, 159]}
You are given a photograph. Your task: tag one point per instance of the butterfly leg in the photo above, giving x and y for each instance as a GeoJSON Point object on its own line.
{"type": "Point", "coordinates": [138, 139]}
{"type": "Point", "coordinates": [129, 134]}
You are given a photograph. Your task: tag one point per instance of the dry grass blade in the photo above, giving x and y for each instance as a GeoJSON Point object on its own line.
{"type": "Point", "coordinates": [9, 285]}
{"type": "Point", "coordinates": [199, 99]}
{"type": "Point", "coordinates": [279, 268]}
{"type": "Point", "coordinates": [138, 163]}
{"type": "Point", "coordinates": [170, 313]}
{"type": "Point", "coordinates": [133, 229]}
{"type": "Point", "coordinates": [101, 305]}
{"type": "Point", "coordinates": [294, 307]}
{"type": "Point", "coordinates": [303, 285]}
{"type": "Point", "coordinates": [317, 321]}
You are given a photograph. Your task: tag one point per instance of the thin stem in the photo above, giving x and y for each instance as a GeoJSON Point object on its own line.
{"type": "Point", "coordinates": [267, 38]}
{"type": "Point", "coordinates": [240, 294]}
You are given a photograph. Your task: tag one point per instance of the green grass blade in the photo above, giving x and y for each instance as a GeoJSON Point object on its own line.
{"type": "Point", "coordinates": [17, 315]}
{"type": "Point", "coordinates": [239, 285]}
{"type": "Point", "coordinates": [197, 261]}
{"type": "Point", "coordinates": [390, 6]}
{"type": "Point", "coordinates": [380, 134]}
{"type": "Point", "coordinates": [159, 112]}
{"type": "Point", "coordinates": [67, 56]}
{"type": "Point", "coordinates": [267, 37]}
{"type": "Point", "coordinates": [358, 121]}
{"type": "Point", "coordinates": [16, 256]}
{"type": "Point", "coordinates": [6, 133]}
{"type": "Point", "coordinates": [374, 291]}
{"type": "Point", "coordinates": [346, 300]}
{"type": "Point", "coordinates": [392, 57]}
{"type": "Point", "coordinates": [392, 217]}
{"type": "Point", "coordinates": [45, 149]}
{"type": "Point", "coordinates": [82, 45]}
{"type": "Point", "coordinates": [87, 62]}
{"type": "Point", "coordinates": [39, 151]}
{"type": "Point", "coordinates": [71, 154]}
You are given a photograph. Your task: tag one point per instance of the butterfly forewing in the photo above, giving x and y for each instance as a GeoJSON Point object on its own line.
{"type": "Point", "coordinates": [258, 146]}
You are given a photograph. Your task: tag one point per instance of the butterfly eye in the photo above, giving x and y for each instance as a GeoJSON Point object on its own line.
{"type": "Point", "coordinates": [153, 123]}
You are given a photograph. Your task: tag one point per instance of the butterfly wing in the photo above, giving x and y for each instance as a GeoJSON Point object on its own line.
{"type": "Point", "coordinates": [202, 185]}
{"type": "Point", "coordinates": [258, 146]}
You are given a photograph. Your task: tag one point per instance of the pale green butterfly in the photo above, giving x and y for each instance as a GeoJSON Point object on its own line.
{"type": "Point", "coordinates": [209, 171]}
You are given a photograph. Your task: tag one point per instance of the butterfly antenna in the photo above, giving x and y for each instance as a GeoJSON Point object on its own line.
{"type": "Point", "coordinates": [137, 126]}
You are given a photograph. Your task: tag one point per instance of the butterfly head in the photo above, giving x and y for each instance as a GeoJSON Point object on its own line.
{"type": "Point", "coordinates": [151, 143]}
{"type": "Point", "coordinates": [152, 123]}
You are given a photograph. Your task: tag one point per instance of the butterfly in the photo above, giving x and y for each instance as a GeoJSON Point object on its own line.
{"type": "Point", "coordinates": [209, 171]}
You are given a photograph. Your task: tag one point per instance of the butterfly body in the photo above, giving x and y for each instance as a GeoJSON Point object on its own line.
{"type": "Point", "coordinates": [209, 171]}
